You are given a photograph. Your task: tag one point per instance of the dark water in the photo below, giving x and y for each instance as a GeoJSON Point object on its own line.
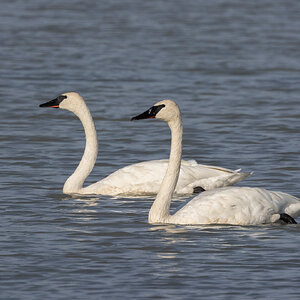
{"type": "Point", "coordinates": [234, 69]}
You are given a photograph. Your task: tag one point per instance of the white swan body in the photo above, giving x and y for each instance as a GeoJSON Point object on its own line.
{"type": "Point", "coordinates": [144, 178]}
{"type": "Point", "coordinates": [228, 205]}
{"type": "Point", "coordinates": [137, 179]}
{"type": "Point", "coordinates": [237, 206]}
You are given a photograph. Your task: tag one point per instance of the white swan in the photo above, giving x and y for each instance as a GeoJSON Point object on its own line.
{"type": "Point", "coordinates": [228, 205]}
{"type": "Point", "coordinates": [137, 179]}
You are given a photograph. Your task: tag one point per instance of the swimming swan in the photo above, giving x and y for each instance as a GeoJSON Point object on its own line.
{"type": "Point", "coordinates": [137, 179]}
{"type": "Point", "coordinates": [227, 205]}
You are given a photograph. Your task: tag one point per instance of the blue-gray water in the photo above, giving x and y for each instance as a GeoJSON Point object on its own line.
{"type": "Point", "coordinates": [234, 69]}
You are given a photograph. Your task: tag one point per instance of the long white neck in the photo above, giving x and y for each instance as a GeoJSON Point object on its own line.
{"type": "Point", "coordinates": [160, 209]}
{"type": "Point", "coordinates": [75, 182]}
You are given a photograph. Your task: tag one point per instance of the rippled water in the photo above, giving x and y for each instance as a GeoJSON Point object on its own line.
{"type": "Point", "coordinates": [232, 66]}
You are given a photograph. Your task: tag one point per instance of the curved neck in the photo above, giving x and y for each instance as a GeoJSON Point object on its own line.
{"type": "Point", "coordinates": [160, 209]}
{"type": "Point", "coordinates": [75, 182]}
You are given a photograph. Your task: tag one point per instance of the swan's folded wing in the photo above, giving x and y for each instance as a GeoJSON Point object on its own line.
{"type": "Point", "coordinates": [207, 177]}
{"type": "Point", "coordinates": [138, 179]}
{"type": "Point", "coordinates": [216, 181]}
{"type": "Point", "coordinates": [144, 178]}
{"type": "Point", "coordinates": [236, 205]}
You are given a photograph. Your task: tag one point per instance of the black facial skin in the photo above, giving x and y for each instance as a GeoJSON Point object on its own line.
{"type": "Point", "coordinates": [55, 102]}
{"type": "Point", "coordinates": [150, 113]}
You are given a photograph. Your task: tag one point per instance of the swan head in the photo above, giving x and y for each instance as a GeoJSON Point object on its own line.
{"type": "Point", "coordinates": [165, 110]}
{"type": "Point", "coordinates": [69, 101]}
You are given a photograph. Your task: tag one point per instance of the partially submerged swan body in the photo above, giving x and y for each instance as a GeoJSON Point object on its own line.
{"type": "Point", "coordinates": [138, 179]}
{"type": "Point", "coordinates": [237, 206]}
{"type": "Point", "coordinates": [228, 205]}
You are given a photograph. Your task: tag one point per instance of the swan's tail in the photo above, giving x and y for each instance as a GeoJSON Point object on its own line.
{"type": "Point", "coordinates": [217, 181]}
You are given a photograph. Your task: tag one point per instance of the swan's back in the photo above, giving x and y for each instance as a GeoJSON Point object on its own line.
{"type": "Point", "coordinates": [238, 206]}
{"type": "Point", "coordinates": [146, 177]}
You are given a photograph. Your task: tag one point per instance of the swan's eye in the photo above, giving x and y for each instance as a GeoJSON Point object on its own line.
{"type": "Point", "coordinates": [60, 98]}
{"type": "Point", "coordinates": [155, 109]}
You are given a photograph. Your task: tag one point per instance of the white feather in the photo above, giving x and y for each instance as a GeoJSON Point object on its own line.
{"type": "Point", "coordinates": [144, 178]}
{"type": "Point", "coordinates": [228, 205]}
{"type": "Point", "coordinates": [238, 206]}
{"type": "Point", "coordinates": [137, 179]}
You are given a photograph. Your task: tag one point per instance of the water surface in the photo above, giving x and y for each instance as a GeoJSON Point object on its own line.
{"type": "Point", "coordinates": [232, 66]}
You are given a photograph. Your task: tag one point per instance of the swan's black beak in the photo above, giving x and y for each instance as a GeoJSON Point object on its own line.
{"type": "Point", "coordinates": [52, 103]}
{"type": "Point", "coordinates": [55, 102]}
{"type": "Point", "coordinates": [150, 113]}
